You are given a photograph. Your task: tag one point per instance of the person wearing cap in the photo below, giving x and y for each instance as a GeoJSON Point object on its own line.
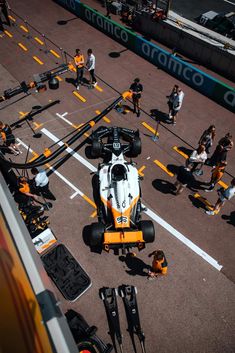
{"type": "Point", "coordinates": [136, 88]}
{"type": "Point", "coordinates": [79, 62]}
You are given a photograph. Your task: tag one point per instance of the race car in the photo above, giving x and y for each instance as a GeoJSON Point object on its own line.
{"type": "Point", "coordinates": [117, 192]}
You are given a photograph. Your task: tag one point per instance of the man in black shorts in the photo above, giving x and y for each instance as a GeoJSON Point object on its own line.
{"type": "Point", "coordinates": [136, 88]}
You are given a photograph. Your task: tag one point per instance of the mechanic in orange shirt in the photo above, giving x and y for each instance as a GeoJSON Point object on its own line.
{"type": "Point", "coordinates": [159, 264]}
{"type": "Point", "coordinates": [79, 62]}
{"type": "Point", "coordinates": [24, 188]}
{"type": "Point", "coordinates": [217, 173]}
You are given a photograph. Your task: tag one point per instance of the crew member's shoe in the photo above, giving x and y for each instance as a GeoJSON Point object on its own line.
{"type": "Point", "coordinates": [94, 84]}
{"type": "Point", "coordinates": [138, 114]}
{"type": "Point", "coordinates": [210, 213]}
{"type": "Point", "coordinates": [78, 88]}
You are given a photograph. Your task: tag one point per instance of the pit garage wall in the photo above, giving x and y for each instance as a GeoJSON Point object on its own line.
{"type": "Point", "coordinates": [197, 79]}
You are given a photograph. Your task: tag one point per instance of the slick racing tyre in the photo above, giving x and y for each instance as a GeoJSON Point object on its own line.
{"type": "Point", "coordinates": [135, 147]}
{"type": "Point", "coordinates": [97, 233]}
{"type": "Point", "coordinates": [96, 149]}
{"type": "Point", "coordinates": [148, 230]}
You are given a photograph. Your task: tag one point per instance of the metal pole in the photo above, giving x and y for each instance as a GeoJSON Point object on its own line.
{"type": "Point", "coordinates": [46, 50]}
{"type": "Point", "coordinates": [28, 36]}
{"type": "Point", "coordinates": [155, 137]}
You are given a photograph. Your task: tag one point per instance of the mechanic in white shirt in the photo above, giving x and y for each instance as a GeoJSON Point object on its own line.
{"type": "Point", "coordinates": [41, 183]}
{"type": "Point", "coordinates": [177, 104]}
{"type": "Point", "coordinates": [197, 159]}
{"type": "Point", "coordinates": [90, 65]}
{"type": "Point", "coordinates": [224, 195]}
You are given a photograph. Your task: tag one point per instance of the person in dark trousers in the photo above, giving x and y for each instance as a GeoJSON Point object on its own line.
{"type": "Point", "coordinates": [220, 154]}
{"type": "Point", "coordinates": [90, 65]}
{"type": "Point", "coordinates": [4, 11]}
{"type": "Point", "coordinates": [108, 8]}
{"type": "Point", "coordinates": [8, 138]}
{"type": "Point", "coordinates": [207, 138]}
{"type": "Point", "coordinates": [159, 264]}
{"type": "Point", "coordinates": [41, 183]}
{"type": "Point", "coordinates": [136, 88]}
{"type": "Point", "coordinates": [79, 62]}
{"type": "Point", "coordinates": [171, 99]}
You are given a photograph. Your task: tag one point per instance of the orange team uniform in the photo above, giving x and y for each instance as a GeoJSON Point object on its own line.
{"type": "Point", "coordinates": [160, 266]}
{"type": "Point", "coordinates": [79, 60]}
{"type": "Point", "coordinates": [24, 188]}
{"type": "Point", "coordinates": [218, 172]}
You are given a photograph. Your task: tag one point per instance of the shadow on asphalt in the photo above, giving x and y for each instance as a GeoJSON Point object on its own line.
{"type": "Point", "coordinates": [196, 202]}
{"type": "Point", "coordinates": [163, 186]}
{"type": "Point", "coordinates": [229, 218]}
{"type": "Point", "coordinates": [160, 116]}
{"type": "Point", "coordinates": [136, 266]}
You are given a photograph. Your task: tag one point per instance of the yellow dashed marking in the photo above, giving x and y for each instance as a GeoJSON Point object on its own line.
{"type": "Point", "coordinates": [79, 96]}
{"type": "Point", "coordinates": [93, 215]}
{"type": "Point", "coordinates": [224, 185]}
{"type": "Point", "coordinates": [86, 134]}
{"type": "Point", "coordinates": [140, 170]}
{"type": "Point", "coordinates": [89, 200]}
{"type": "Point", "coordinates": [38, 60]}
{"type": "Point", "coordinates": [22, 47]}
{"type": "Point", "coordinates": [54, 53]}
{"type": "Point", "coordinates": [36, 125]}
{"type": "Point", "coordinates": [99, 88]}
{"type": "Point", "coordinates": [180, 152]}
{"type": "Point", "coordinates": [104, 118]}
{"type": "Point", "coordinates": [12, 18]}
{"type": "Point", "coordinates": [163, 167]}
{"type": "Point", "coordinates": [59, 78]}
{"type": "Point", "coordinates": [8, 34]}
{"type": "Point", "coordinates": [24, 29]}
{"type": "Point", "coordinates": [147, 126]}
{"type": "Point", "coordinates": [35, 155]}
{"type": "Point", "coordinates": [23, 114]}
{"type": "Point", "coordinates": [39, 40]}
{"type": "Point", "coordinates": [208, 205]}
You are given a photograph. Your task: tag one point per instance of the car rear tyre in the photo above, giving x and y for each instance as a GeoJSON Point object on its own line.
{"type": "Point", "coordinates": [96, 149]}
{"type": "Point", "coordinates": [97, 233]}
{"type": "Point", "coordinates": [135, 147]}
{"type": "Point", "coordinates": [148, 230]}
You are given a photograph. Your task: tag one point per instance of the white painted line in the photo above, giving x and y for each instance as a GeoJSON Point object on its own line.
{"type": "Point", "coordinates": [24, 145]}
{"type": "Point", "coordinates": [77, 191]}
{"type": "Point", "coordinates": [72, 196]}
{"type": "Point", "coordinates": [183, 239]}
{"type": "Point", "coordinates": [150, 213]}
{"type": "Point", "coordinates": [63, 118]}
{"type": "Point", "coordinates": [64, 114]}
{"type": "Point", "coordinates": [230, 2]}
{"type": "Point", "coordinates": [69, 150]}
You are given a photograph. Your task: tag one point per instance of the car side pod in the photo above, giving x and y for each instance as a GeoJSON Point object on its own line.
{"type": "Point", "coordinates": [127, 95]}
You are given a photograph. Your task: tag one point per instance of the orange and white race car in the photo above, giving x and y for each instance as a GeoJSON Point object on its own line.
{"type": "Point", "coordinates": [118, 193]}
